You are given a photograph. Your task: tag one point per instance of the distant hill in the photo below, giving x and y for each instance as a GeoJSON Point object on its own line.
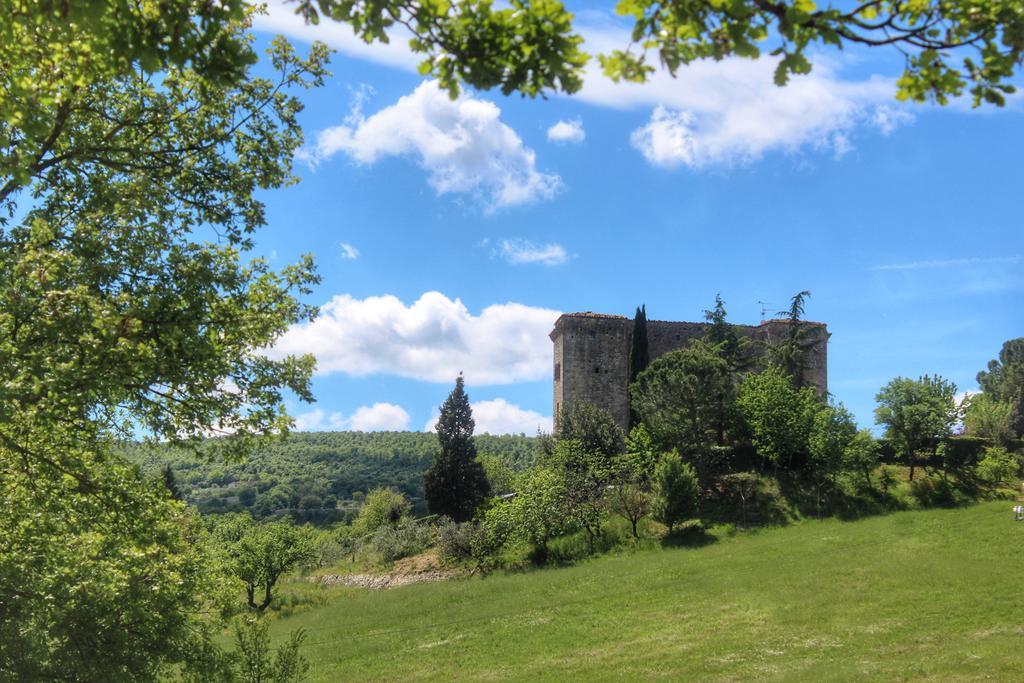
{"type": "Point", "coordinates": [316, 476]}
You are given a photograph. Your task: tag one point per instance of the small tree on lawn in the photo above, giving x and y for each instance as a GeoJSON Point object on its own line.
{"type": "Point", "coordinates": [586, 476]}
{"type": "Point", "coordinates": [676, 490]}
{"type": "Point", "coordinates": [456, 483]}
{"type": "Point", "coordinates": [259, 554]}
{"type": "Point", "coordinates": [831, 434]}
{"type": "Point", "coordinates": [861, 455]}
{"type": "Point", "coordinates": [917, 414]}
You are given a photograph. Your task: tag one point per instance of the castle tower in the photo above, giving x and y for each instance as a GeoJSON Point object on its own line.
{"type": "Point", "coordinates": [591, 355]}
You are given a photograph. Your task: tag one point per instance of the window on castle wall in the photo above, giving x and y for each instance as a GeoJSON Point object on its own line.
{"type": "Point", "coordinates": [597, 369]}
{"type": "Point", "coordinates": [558, 371]}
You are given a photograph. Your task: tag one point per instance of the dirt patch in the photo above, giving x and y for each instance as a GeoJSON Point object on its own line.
{"type": "Point", "coordinates": [422, 568]}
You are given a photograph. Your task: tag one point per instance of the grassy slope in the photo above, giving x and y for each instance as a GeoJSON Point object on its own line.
{"type": "Point", "coordinates": [923, 595]}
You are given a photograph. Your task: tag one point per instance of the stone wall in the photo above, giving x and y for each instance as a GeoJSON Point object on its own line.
{"type": "Point", "coordinates": [591, 355]}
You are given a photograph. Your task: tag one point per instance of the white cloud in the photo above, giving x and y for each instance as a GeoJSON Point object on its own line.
{"type": "Point", "coordinates": [736, 112]}
{"type": "Point", "coordinates": [730, 112]}
{"type": "Point", "coordinates": [519, 252]}
{"type": "Point", "coordinates": [281, 18]}
{"type": "Point", "coordinates": [312, 421]}
{"type": "Point", "coordinates": [668, 139]}
{"type": "Point", "coordinates": [379, 417]}
{"type": "Point", "coordinates": [432, 339]}
{"type": "Point", "coordinates": [498, 416]}
{"type": "Point", "coordinates": [348, 251]}
{"type": "Point", "coordinates": [567, 131]}
{"type": "Point", "coordinates": [462, 145]}
{"type": "Point", "coordinates": [887, 118]}
{"type": "Point", "coordinates": [950, 263]}
{"type": "Point", "coordinates": [376, 418]}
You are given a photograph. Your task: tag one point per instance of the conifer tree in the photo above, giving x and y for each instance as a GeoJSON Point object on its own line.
{"type": "Point", "coordinates": [639, 356]}
{"type": "Point", "coordinates": [456, 484]}
{"type": "Point", "coordinates": [171, 482]}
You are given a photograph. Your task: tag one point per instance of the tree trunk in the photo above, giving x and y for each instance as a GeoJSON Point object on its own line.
{"type": "Point", "coordinates": [267, 596]}
{"type": "Point", "coordinates": [250, 590]}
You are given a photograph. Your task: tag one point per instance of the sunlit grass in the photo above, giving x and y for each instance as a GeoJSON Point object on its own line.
{"type": "Point", "coordinates": [923, 595]}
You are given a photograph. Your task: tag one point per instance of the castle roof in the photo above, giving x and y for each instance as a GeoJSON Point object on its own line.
{"type": "Point", "coordinates": [591, 314]}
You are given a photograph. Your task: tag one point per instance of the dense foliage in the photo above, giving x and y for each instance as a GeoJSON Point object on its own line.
{"type": "Point", "coordinates": [1003, 383]}
{"type": "Point", "coordinates": [317, 476]}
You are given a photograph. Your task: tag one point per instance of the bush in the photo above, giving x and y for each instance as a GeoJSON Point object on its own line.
{"type": "Point", "coordinates": [456, 541]}
{"type": "Point", "coordinates": [383, 507]}
{"type": "Point", "coordinates": [997, 466]}
{"type": "Point", "coordinates": [404, 540]}
{"type": "Point", "coordinates": [676, 490]}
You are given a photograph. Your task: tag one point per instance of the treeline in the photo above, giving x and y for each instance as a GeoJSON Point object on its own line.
{"type": "Point", "coordinates": [715, 440]}
{"type": "Point", "coordinates": [316, 476]}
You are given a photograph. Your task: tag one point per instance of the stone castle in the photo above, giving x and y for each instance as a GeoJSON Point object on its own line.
{"type": "Point", "coordinates": [591, 355]}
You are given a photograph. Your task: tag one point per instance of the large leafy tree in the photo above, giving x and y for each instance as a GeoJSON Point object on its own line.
{"type": "Point", "coordinates": [686, 398]}
{"type": "Point", "coordinates": [129, 306]}
{"type": "Point", "coordinates": [1003, 381]}
{"type": "Point", "coordinates": [456, 484]}
{"type": "Point", "coordinates": [779, 415]}
{"type": "Point", "coordinates": [949, 47]}
{"type": "Point", "coordinates": [917, 414]}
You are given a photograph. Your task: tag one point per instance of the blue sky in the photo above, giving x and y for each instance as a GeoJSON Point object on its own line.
{"type": "Point", "coordinates": [450, 235]}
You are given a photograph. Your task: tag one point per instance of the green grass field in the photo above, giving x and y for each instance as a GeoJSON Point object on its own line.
{"type": "Point", "coordinates": [924, 595]}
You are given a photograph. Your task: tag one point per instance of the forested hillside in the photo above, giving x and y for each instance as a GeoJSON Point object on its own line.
{"type": "Point", "coordinates": [316, 476]}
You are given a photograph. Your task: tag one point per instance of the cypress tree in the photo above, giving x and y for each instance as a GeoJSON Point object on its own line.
{"type": "Point", "coordinates": [639, 357]}
{"type": "Point", "coordinates": [455, 485]}
{"type": "Point", "coordinates": [171, 482]}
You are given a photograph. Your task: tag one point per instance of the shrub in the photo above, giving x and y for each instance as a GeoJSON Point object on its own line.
{"type": "Point", "coordinates": [383, 507]}
{"type": "Point", "coordinates": [997, 466]}
{"type": "Point", "coordinates": [676, 490]}
{"type": "Point", "coordinates": [404, 540]}
{"type": "Point", "coordinates": [455, 540]}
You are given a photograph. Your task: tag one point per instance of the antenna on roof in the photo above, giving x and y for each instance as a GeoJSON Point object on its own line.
{"type": "Point", "coordinates": [764, 308]}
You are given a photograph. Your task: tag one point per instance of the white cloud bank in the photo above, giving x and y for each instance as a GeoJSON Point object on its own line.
{"type": "Point", "coordinates": [567, 131]}
{"type": "Point", "coordinates": [521, 252]}
{"type": "Point", "coordinates": [711, 114]}
{"type": "Point", "coordinates": [731, 112]}
{"type": "Point", "coordinates": [462, 145]}
{"type": "Point", "coordinates": [380, 417]}
{"type": "Point", "coordinates": [498, 416]}
{"type": "Point", "coordinates": [433, 339]}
